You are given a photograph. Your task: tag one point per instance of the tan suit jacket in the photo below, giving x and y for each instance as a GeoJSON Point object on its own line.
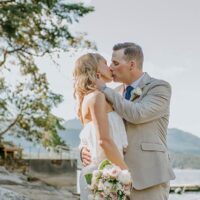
{"type": "Point", "coordinates": [146, 118]}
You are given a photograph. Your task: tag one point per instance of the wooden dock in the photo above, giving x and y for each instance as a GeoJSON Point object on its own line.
{"type": "Point", "coordinates": [181, 188]}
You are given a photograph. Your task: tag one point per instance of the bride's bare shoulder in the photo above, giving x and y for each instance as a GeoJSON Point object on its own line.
{"type": "Point", "coordinates": [95, 97]}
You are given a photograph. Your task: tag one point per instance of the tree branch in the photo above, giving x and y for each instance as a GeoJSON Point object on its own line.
{"type": "Point", "coordinates": [4, 58]}
{"type": "Point", "coordinates": [6, 52]}
{"type": "Point", "coordinates": [11, 125]}
{"type": "Point", "coordinates": [18, 117]}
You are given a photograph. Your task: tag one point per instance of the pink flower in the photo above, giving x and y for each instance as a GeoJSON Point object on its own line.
{"type": "Point", "coordinates": [127, 189]}
{"type": "Point", "coordinates": [114, 172]}
{"type": "Point", "coordinates": [113, 195]}
{"type": "Point", "coordinates": [101, 195]}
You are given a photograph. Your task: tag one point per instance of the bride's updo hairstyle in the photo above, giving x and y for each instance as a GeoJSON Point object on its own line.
{"type": "Point", "coordinates": [85, 74]}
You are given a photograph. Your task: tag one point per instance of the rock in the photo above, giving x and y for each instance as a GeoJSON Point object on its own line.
{"type": "Point", "coordinates": [6, 194]}
{"type": "Point", "coordinates": [8, 178]}
{"type": "Point", "coordinates": [3, 171]}
{"type": "Point", "coordinates": [15, 186]}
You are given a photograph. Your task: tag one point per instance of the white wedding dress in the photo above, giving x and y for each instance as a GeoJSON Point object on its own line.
{"type": "Point", "coordinates": [88, 138]}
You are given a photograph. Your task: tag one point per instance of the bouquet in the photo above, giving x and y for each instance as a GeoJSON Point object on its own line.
{"type": "Point", "coordinates": [109, 182]}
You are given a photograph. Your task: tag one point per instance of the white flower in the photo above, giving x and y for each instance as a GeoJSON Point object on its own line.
{"type": "Point", "coordinates": [91, 197]}
{"type": "Point", "coordinates": [106, 191]}
{"type": "Point", "coordinates": [135, 92]}
{"type": "Point", "coordinates": [124, 177]}
{"type": "Point", "coordinates": [132, 93]}
{"type": "Point", "coordinates": [105, 173]}
{"type": "Point", "coordinates": [100, 186]}
{"type": "Point", "coordinates": [97, 173]}
{"type": "Point", "coordinates": [138, 91]}
{"type": "Point", "coordinates": [108, 187]}
{"type": "Point", "coordinates": [127, 192]}
{"type": "Point", "coordinates": [94, 180]}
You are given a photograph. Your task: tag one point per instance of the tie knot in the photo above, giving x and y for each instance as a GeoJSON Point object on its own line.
{"type": "Point", "coordinates": [129, 88]}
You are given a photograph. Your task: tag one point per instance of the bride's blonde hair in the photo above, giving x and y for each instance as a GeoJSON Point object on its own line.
{"type": "Point", "coordinates": [85, 74]}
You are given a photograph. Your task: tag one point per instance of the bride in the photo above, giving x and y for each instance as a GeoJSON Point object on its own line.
{"type": "Point", "coordinates": [104, 131]}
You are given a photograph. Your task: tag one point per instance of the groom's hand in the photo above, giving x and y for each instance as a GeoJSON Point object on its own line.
{"type": "Point", "coordinates": [85, 156]}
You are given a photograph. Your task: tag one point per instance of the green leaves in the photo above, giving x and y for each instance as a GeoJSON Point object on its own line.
{"type": "Point", "coordinates": [88, 178]}
{"type": "Point", "coordinates": [41, 26]}
{"type": "Point", "coordinates": [31, 29]}
{"type": "Point", "coordinates": [103, 164]}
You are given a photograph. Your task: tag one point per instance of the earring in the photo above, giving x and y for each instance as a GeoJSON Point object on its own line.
{"type": "Point", "coordinates": [98, 76]}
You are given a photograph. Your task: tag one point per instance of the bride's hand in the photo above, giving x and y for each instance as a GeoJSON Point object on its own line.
{"type": "Point", "coordinates": [125, 168]}
{"type": "Point", "coordinates": [85, 156]}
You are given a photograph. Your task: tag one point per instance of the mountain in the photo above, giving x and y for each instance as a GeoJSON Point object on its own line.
{"type": "Point", "coordinates": [71, 136]}
{"type": "Point", "coordinates": [184, 147]}
{"type": "Point", "coordinates": [73, 124]}
{"type": "Point", "coordinates": [71, 132]}
{"type": "Point", "coordinates": [183, 142]}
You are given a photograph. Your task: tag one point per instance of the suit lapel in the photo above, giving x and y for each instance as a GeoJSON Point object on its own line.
{"type": "Point", "coordinates": [120, 89]}
{"type": "Point", "coordinates": [144, 81]}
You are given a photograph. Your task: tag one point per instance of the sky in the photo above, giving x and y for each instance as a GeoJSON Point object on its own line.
{"type": "Point", "coordinates": [169, 33]}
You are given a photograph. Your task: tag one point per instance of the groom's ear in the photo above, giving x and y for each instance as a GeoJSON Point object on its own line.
{"type": "Point", "coordinates": [132, 65]}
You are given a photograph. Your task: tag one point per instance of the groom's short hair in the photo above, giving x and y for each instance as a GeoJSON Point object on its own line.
{"type": "Point", "coordinates": [131, 51]}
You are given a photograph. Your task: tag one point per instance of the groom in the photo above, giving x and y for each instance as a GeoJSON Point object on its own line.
{"type": "Point", "coordinates": [144, 103]}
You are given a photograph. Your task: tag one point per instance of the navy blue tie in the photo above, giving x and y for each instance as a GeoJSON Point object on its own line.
{"type": "Point", "coordinates": [128, 92]}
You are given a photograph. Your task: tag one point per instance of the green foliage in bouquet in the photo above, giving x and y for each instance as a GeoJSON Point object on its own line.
{"type": "Point", "coordinates": [88, 178]}
{"type": "Point", "coordinates": [101, 166]}
{"type": "Point", "coordinates": [104, 164]}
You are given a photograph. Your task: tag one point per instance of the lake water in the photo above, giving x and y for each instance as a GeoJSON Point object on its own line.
{"type": "Point", "coordinates": [186, 196]}
{"type": "Point", "coordinates": [188, 177]}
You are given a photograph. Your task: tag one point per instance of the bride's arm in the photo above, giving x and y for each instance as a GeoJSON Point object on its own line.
{"type": "Point", "coordinates": [99, 117]}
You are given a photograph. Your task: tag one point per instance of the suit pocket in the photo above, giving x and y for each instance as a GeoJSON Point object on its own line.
{"type": "Point", "coordinates": [152, 147]}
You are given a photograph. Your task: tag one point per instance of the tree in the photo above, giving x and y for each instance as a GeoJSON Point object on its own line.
{"type": "Point", "coordinates": [31, 29]}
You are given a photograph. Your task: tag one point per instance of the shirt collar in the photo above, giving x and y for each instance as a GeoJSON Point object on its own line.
{"type": "Point", "coordinates": [135, 83]}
